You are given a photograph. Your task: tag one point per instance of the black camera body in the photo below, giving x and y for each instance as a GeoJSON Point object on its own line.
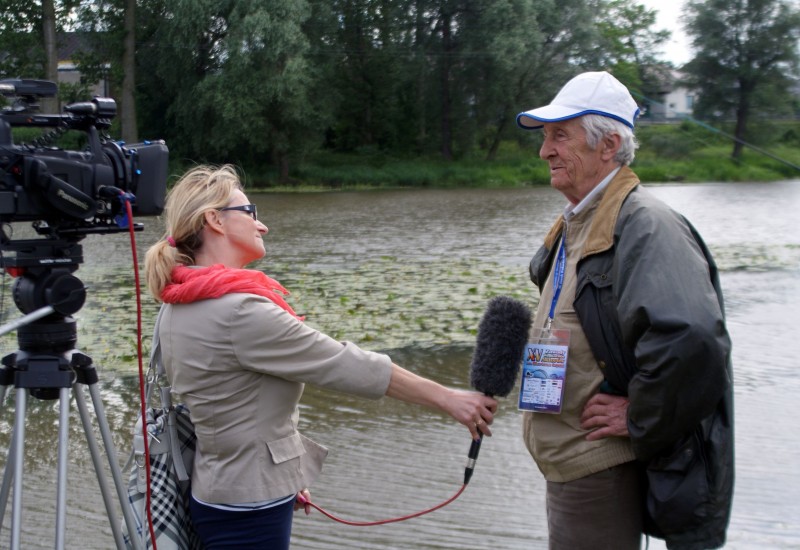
{"type": "Point", "coordinates": [67, 195]}
{"type": "Point", "coordinates": [74, 191]}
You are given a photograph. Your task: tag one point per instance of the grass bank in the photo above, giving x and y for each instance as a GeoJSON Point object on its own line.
{"type": "Point", "coordinates": [684, 152]}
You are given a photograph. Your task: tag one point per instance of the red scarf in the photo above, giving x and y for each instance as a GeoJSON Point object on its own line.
{"type": "Point", "coordinates": [190, 284]}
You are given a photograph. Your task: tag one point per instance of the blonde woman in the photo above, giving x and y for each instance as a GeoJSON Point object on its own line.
{"type": "Point", "coordinates": [238, 355]}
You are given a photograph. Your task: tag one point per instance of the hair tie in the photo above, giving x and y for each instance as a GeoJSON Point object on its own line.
{"type": "Point", "coordinates": [172, 242]}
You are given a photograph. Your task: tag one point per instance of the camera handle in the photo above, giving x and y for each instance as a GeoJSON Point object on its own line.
{"type": "Point", "coordinates": [48, 374]}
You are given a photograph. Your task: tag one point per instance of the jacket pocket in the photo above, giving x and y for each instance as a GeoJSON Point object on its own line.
{"type": "Point", "coordinates": [678, 493]}
{"type": "Point", "coordinates": [286, 448]}
{"type": "Point", "coordinates": [596, 307]}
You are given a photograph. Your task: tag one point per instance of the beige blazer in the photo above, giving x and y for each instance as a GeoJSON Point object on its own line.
{"type": "Point", "coordinates": [240, 363]}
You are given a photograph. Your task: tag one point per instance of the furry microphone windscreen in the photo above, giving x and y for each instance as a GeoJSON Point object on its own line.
{"type": "Point", "coordinates": [502, 335]}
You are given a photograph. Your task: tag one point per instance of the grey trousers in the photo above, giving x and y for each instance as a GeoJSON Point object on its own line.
{"type": "Point", "coordinates": [602, 511]}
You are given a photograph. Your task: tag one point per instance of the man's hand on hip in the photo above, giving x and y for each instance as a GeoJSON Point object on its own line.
{"type": "Point", "coordinates": [606, 415]}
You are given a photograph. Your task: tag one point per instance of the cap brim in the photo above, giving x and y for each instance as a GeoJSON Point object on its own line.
{"type": "Point", "coordinates": [531, 120]}
{"type": "Point", "coordinates": [535, 118]}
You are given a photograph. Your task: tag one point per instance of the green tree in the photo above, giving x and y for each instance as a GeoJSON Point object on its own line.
{"type": "Point", "coordinates": [236, 81]}
{"type": "Point", "coordinates": [510, 45]}
{"type": "Point", "coordinates": [486, 59]}
{"type": "Point", "coordinates": [498, 44]}
{"type": "Point", "coordinates": [745, 48]}
{"type": "Point", "coordinates": [552, 41]}
{"type": "Point", "coordinates": [450, 75]}
{"type": "Point", "coordinates": [628, 45]}
{"type": "Point", "coordinates": [369, 46]}
{"type": "Point", "coordinates": [21, 48]}
{"type": "Point", "coordinates": [109, 30]}
{"type": "Point", "coordinates": [127, 116]}
{"type": "Point", "coordinates": [262, 82]}
{"type": "Point", "coordinates": [446, 26]}
{"type": "Point", "coordinates": [28, 46]}
{"type": "Point", "coordinates": [50, 105]}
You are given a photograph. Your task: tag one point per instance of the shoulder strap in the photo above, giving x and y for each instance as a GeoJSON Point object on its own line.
{"type": "Point", "coordinates": [160, 379]}
{"type": "Point", "coordinates": [155, 371]}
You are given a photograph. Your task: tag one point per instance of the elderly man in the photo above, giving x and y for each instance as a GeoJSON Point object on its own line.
{"type": "Point", "coordinates": [642, 438]}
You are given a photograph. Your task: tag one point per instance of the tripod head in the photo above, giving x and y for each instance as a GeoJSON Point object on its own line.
{"type": "Point", "coordinates": [44, 269]}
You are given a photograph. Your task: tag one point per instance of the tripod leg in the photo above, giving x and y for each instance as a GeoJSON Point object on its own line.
{"type": "Point", "coordinates": [113, 460]}
{"type": "Point", "coordinates": [61, 488]}
{"type": "Point", "coordinates": [98, 467]}
{"type": "Point", "coordinates": [5, 490]}
{"type": "Point", "coordinates": [19, 453]}
{"type": "Point", "coordinates": [7, 478]}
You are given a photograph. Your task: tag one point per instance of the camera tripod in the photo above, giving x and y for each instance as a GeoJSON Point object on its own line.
{"type": "Point", "coordinates": [47, 366]}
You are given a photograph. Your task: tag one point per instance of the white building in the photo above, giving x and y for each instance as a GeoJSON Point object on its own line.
{"type": "Point", "coordinates": [672, 101]}
{"type": "Point", "coordinates": [678, 103]}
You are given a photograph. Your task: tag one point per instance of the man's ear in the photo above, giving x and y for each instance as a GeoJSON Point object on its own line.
{"type": "Point", "coordinates": [610, 144]}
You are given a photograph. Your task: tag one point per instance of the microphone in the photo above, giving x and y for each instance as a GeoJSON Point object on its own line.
{"type": "Point", "coordinates": [502, 335]}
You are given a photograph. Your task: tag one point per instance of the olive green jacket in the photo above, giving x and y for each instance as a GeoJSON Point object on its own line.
{"type": "Point", "coordinates": [650, 303]}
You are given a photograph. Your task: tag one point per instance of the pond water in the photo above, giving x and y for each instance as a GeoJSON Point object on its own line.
{"type": "Point", "coordinates": [409, 273]}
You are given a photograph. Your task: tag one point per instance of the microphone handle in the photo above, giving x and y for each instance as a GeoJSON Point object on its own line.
{"type": "Point", "coordinates": [474, 449]}
{"type": "Point", "coordinates": [472, 457]}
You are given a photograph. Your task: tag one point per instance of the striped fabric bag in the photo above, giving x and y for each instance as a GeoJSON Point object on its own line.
{"type": "Point", "coordinates": [171, 445]}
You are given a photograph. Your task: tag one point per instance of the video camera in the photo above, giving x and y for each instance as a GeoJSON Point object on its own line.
{"type": "Point", "coordinates": [67, 195]}
{"type": "Point", "coordinates": [73, 191]}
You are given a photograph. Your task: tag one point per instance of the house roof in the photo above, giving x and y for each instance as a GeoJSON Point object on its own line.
{"type": "Point", "coordinates": [71, 42]}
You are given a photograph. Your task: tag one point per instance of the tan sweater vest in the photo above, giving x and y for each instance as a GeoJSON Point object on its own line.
{"type": "Point", "coordinates": [556, 441]}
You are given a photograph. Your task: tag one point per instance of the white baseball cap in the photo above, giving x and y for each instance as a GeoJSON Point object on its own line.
{"type": "Point", "coordinates": [592, 93]}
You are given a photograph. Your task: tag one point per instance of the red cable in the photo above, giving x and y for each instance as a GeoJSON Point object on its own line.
{"type": "Point", "coordinates": [142, 398]}
{"type": "Point", "coordinates": [303, 500]}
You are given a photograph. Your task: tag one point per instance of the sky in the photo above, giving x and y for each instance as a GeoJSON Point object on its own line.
{"type": "Point", "coordinates": [668, 14]}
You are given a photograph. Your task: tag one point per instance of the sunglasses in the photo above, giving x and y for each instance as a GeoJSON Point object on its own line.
{"type": "Point", "coordinates": [249, 208]}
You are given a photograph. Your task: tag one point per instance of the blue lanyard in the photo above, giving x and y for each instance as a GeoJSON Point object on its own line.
{"type": "Point", "coordinates": [558, 278]}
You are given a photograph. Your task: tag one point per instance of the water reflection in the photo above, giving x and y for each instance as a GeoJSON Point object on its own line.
{"type": "Point", "coordinates": [409, 272]}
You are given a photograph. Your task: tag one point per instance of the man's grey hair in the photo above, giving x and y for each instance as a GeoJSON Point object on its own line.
{"type": "Point", "coordinates": [598, 126]}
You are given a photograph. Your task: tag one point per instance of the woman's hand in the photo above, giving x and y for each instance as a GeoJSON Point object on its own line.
{"type": "Point", "coordinates": [302, 501]}
{"type": "Point", "coordinates": [472, 409]}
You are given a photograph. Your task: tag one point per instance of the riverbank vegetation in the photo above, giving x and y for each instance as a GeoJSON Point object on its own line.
{"type": "Point", "coordinates": [683, 152]}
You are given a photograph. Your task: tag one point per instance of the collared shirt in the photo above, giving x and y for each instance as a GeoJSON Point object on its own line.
{"type": "Point", "coordinates": [572, 210]}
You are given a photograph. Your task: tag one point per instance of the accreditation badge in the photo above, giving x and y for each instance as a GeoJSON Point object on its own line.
{"type": "Point", "coordinates": [544, 369]}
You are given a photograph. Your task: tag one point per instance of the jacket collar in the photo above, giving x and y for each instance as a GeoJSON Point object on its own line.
{"type": "Point", "coordinates": [601, 233]}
